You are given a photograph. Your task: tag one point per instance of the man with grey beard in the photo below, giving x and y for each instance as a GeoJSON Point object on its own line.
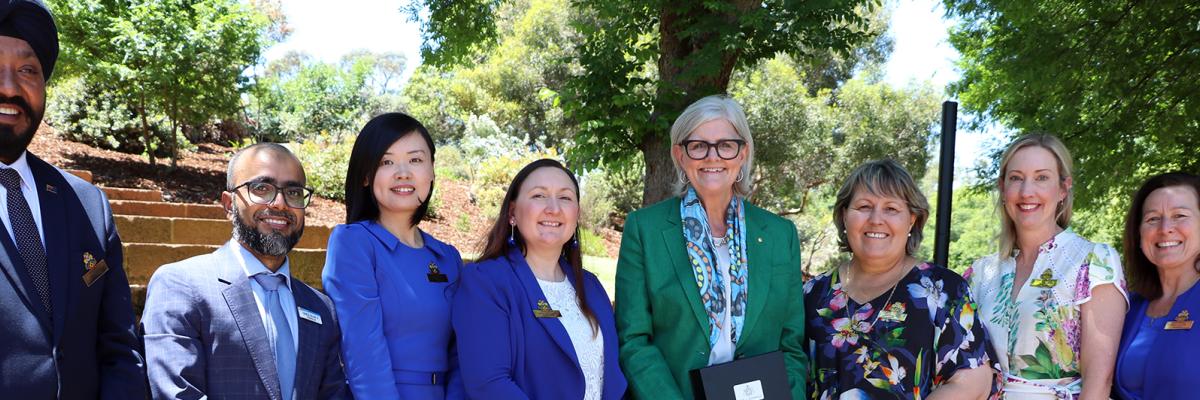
{"type": "Point", "coordinates": [234, 324]}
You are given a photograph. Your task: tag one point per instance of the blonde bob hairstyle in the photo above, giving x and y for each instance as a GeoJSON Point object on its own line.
{"type": "Point", "coordinates": [1008, 229]}
{"type": "Point", "coordinates": [708, 109]}
{"type": "Point", "coordinates": [882, 178]}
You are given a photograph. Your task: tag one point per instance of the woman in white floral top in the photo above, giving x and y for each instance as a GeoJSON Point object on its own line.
{"type": "Point", "coordinates": [1053, 304]}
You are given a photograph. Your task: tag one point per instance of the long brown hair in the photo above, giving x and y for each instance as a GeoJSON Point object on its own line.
{"type": "Point", "coordinates": [1141, 273]}
{"type": "Point", "coordinates": [495, 244]}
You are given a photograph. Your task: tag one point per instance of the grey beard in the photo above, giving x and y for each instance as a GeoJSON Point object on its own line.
{"type": "Point", "coordinates": [271, 244]}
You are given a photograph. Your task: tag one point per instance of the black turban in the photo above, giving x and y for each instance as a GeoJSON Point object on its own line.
{"type": "Point", "coordinates": [30, 20]}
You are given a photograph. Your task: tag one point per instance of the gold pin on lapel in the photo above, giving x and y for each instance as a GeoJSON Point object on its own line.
{"type": "Point", "coordinates": [435, 275]}
{"type": "Point", "coordinates": [50, 188]}
{"type": "Point", "coordinates": [1181, 322]}
{"type": "Point", "coordinates": [1045, 281]}
{"type": "Point", "coordinates": [544, 311]}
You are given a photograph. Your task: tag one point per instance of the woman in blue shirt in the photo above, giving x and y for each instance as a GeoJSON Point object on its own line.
{"type": "Point", "coordinates": [389, 281]}
{"type": "Point", "coordinates": [1160, 347]}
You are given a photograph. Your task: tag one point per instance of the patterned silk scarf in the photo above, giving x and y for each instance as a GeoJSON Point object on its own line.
{"type": "Point", "coordinates": [711, 282]}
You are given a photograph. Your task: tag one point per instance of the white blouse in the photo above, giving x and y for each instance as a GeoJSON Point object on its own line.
{"type": "Point", "coordinates": [589, 349]}
{"type": "Point", "coordinates": [1036, 334]}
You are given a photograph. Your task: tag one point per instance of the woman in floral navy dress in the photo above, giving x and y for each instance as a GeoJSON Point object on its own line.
{"type": "Point", "coordinates": [885, 325]}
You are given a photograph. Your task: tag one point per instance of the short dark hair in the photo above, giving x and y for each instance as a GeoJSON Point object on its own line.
{"type": "Point", "coordinates": [369, 147]}
{"type": "Point", "coordinates": [1139, 271]}
{"type": "Point", "coordinates": [274, 148]}
{"type": "Point", "coordinates": [884, 178]}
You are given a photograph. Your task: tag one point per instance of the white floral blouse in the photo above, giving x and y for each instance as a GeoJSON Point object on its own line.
{"type": "Point", "coordinates": [1036, 335]}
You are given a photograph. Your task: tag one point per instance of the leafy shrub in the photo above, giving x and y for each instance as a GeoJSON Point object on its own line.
{"type": "Point", "coordinates": [93, 114]}
{"type": "Point", "coordinates": [451, 164]}
{"type": "Point", "coordinates": [596, 204]}
{"type": "Point", "coordinates": [325, 158]}
{"type": "Point", "coordinates": [591, 244]}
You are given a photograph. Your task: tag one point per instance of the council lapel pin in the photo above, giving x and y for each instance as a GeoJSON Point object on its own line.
{"type": "Point", "coordinates": [1045, 281]}
{"type": "Point", "coordinates": [544, 310]}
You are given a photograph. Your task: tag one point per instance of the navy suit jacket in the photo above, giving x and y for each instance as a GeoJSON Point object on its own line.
{"type": "Point", "coordinates": [1174, 355]}
{"type": "Point", "coordinates": [507, 353]}
{"type": "Point", "coordinates": [204, 335]}
{"type": "Point", "coordinates": [88, 348]}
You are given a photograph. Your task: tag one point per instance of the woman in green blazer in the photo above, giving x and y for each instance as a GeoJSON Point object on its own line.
{"type": "Point", "coordinates": [706, 278]}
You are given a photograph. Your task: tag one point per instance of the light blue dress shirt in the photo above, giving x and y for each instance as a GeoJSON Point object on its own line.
{"type": "Point", "coordinates": [252, 266]}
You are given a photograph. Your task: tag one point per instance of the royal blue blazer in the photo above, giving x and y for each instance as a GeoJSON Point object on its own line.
{"type": "Point", "coordinates": [1174, 355]}
{"type": "Point", "coordinates": [397, 342]}
{"type": "Point", "coordinates": [507, 352]}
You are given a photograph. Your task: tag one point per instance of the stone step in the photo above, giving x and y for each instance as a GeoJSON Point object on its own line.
{"type": "Point", "coordinates": [141, 259]}
{"type": "Point", "coordinates": [82, 174]}
{"type": "Point", "coordinates": [118, 193]}
{"type": "Point", "coordinates": [167, 230]}
{"type": "Point", "coordinates": [163, 209]}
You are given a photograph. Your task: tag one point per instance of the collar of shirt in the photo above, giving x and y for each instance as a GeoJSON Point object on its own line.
{"type": "Point", "coordinates": [391, 241]}
{"type": "Point", "coordinates": [22, 167]}
{"type": "Point", "coordinates": [252, 266]}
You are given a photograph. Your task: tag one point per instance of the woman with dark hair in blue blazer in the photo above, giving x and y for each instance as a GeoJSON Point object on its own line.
{"type": "Point", "coordinates": [531, 323]}
{"type": "Point", "coordinates": [1160, 347]}
{"type": "Point", "coordinates": [390, 282]}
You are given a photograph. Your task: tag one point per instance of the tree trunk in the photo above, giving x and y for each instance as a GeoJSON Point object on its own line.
{"type": "Point", "coordinates": [676, 90]}
{"type": "Point", "coordinates": [147, 138]}
{"type": "Point", "coordinates": [660, 170]}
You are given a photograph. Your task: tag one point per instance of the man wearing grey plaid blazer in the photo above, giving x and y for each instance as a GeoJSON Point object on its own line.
{"type": "Point", "coordinates": [234, 324]}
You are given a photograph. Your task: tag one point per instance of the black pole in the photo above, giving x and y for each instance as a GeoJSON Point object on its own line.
{"type": "Point", "coordinates": [941, 244]}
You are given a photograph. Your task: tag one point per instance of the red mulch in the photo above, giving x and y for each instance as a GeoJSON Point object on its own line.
{"type": "Point", "coordinates": [199, 177]}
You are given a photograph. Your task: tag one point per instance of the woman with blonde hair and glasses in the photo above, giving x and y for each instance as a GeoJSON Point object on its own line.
{"type": "Point", "coordinates": [707, 278]}
{"type": "Point", "coordinates": [1053, 302]}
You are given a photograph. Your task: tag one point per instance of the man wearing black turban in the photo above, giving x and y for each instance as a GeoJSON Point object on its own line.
{"type": "Point", "coordinates": [66, 327]}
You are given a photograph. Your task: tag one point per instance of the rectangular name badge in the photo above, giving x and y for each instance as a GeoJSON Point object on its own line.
{"type": "Point", "coordinates": [1181, 322]}
{"type": "Point", "coordinates": [544, 311]}
{"type": "Point", "coordinates": [309, 315]}
{"type": "Point", "coordinates": [748, 391]}
{"type": "Point", "coordinates": [94, 273]}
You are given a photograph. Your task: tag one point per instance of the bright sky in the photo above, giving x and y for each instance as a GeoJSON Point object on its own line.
{"type": "Point", "coordinates": [921, 51]}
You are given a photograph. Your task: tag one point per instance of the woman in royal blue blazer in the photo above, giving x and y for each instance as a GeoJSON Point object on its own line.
{"type": "Point", "coordinates": [391, 283]}
{"type": "Point", "coordinates": [531, 323]}
{"type": "Point", "coordinates": [1160, 347]}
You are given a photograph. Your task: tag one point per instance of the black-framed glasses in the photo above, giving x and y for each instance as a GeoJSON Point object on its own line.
{"type": "Point", "coordinates": [727, 149]}
{"type": "Point", "coordinates": [265, 193]}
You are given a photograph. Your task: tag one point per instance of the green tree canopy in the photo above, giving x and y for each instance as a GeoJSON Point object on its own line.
{"type": "Point", "coordinates": [180, 59]}
{"type": "Point", "coordinates": [642, 62]}
{"type": "Point", "coordinates": [1114, 79]}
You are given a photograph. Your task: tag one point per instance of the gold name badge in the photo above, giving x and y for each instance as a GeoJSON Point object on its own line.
{"type": "Point", "coordinates": [1045, 281]}
{"type": "Point", "coordinates": [544, 311]}
{"type": "Point", "coordinates": [1181, 322]}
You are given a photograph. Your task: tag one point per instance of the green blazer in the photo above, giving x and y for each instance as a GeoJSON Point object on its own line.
{"type": "Point", "coordinates": [661, 325]}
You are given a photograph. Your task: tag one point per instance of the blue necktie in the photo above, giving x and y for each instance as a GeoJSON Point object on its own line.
{"type": "Point", "coordinates": [25, 235]}
{"type": "Point", "coordinates": [279, 333]}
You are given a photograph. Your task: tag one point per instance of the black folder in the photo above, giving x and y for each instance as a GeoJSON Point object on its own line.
{"type": "Point", "coordinates": [752, 378]}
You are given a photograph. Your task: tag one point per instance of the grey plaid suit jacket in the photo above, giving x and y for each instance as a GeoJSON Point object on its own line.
{"type": "Point", "coordinates": [204, 337]}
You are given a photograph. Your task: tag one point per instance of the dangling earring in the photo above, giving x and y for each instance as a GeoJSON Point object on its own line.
{"type": "Point", "coordinates": [574, 242]}
{"type": "Point", "coordinates": [739, 177]}
{"type": "Point", "coordinates": [512, 228]}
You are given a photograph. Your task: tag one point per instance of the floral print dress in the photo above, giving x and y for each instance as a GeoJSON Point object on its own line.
{"type": "Point", "coordinates": [1036, 334]}
{"type": "Point", "coordinates": [925, 332]}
